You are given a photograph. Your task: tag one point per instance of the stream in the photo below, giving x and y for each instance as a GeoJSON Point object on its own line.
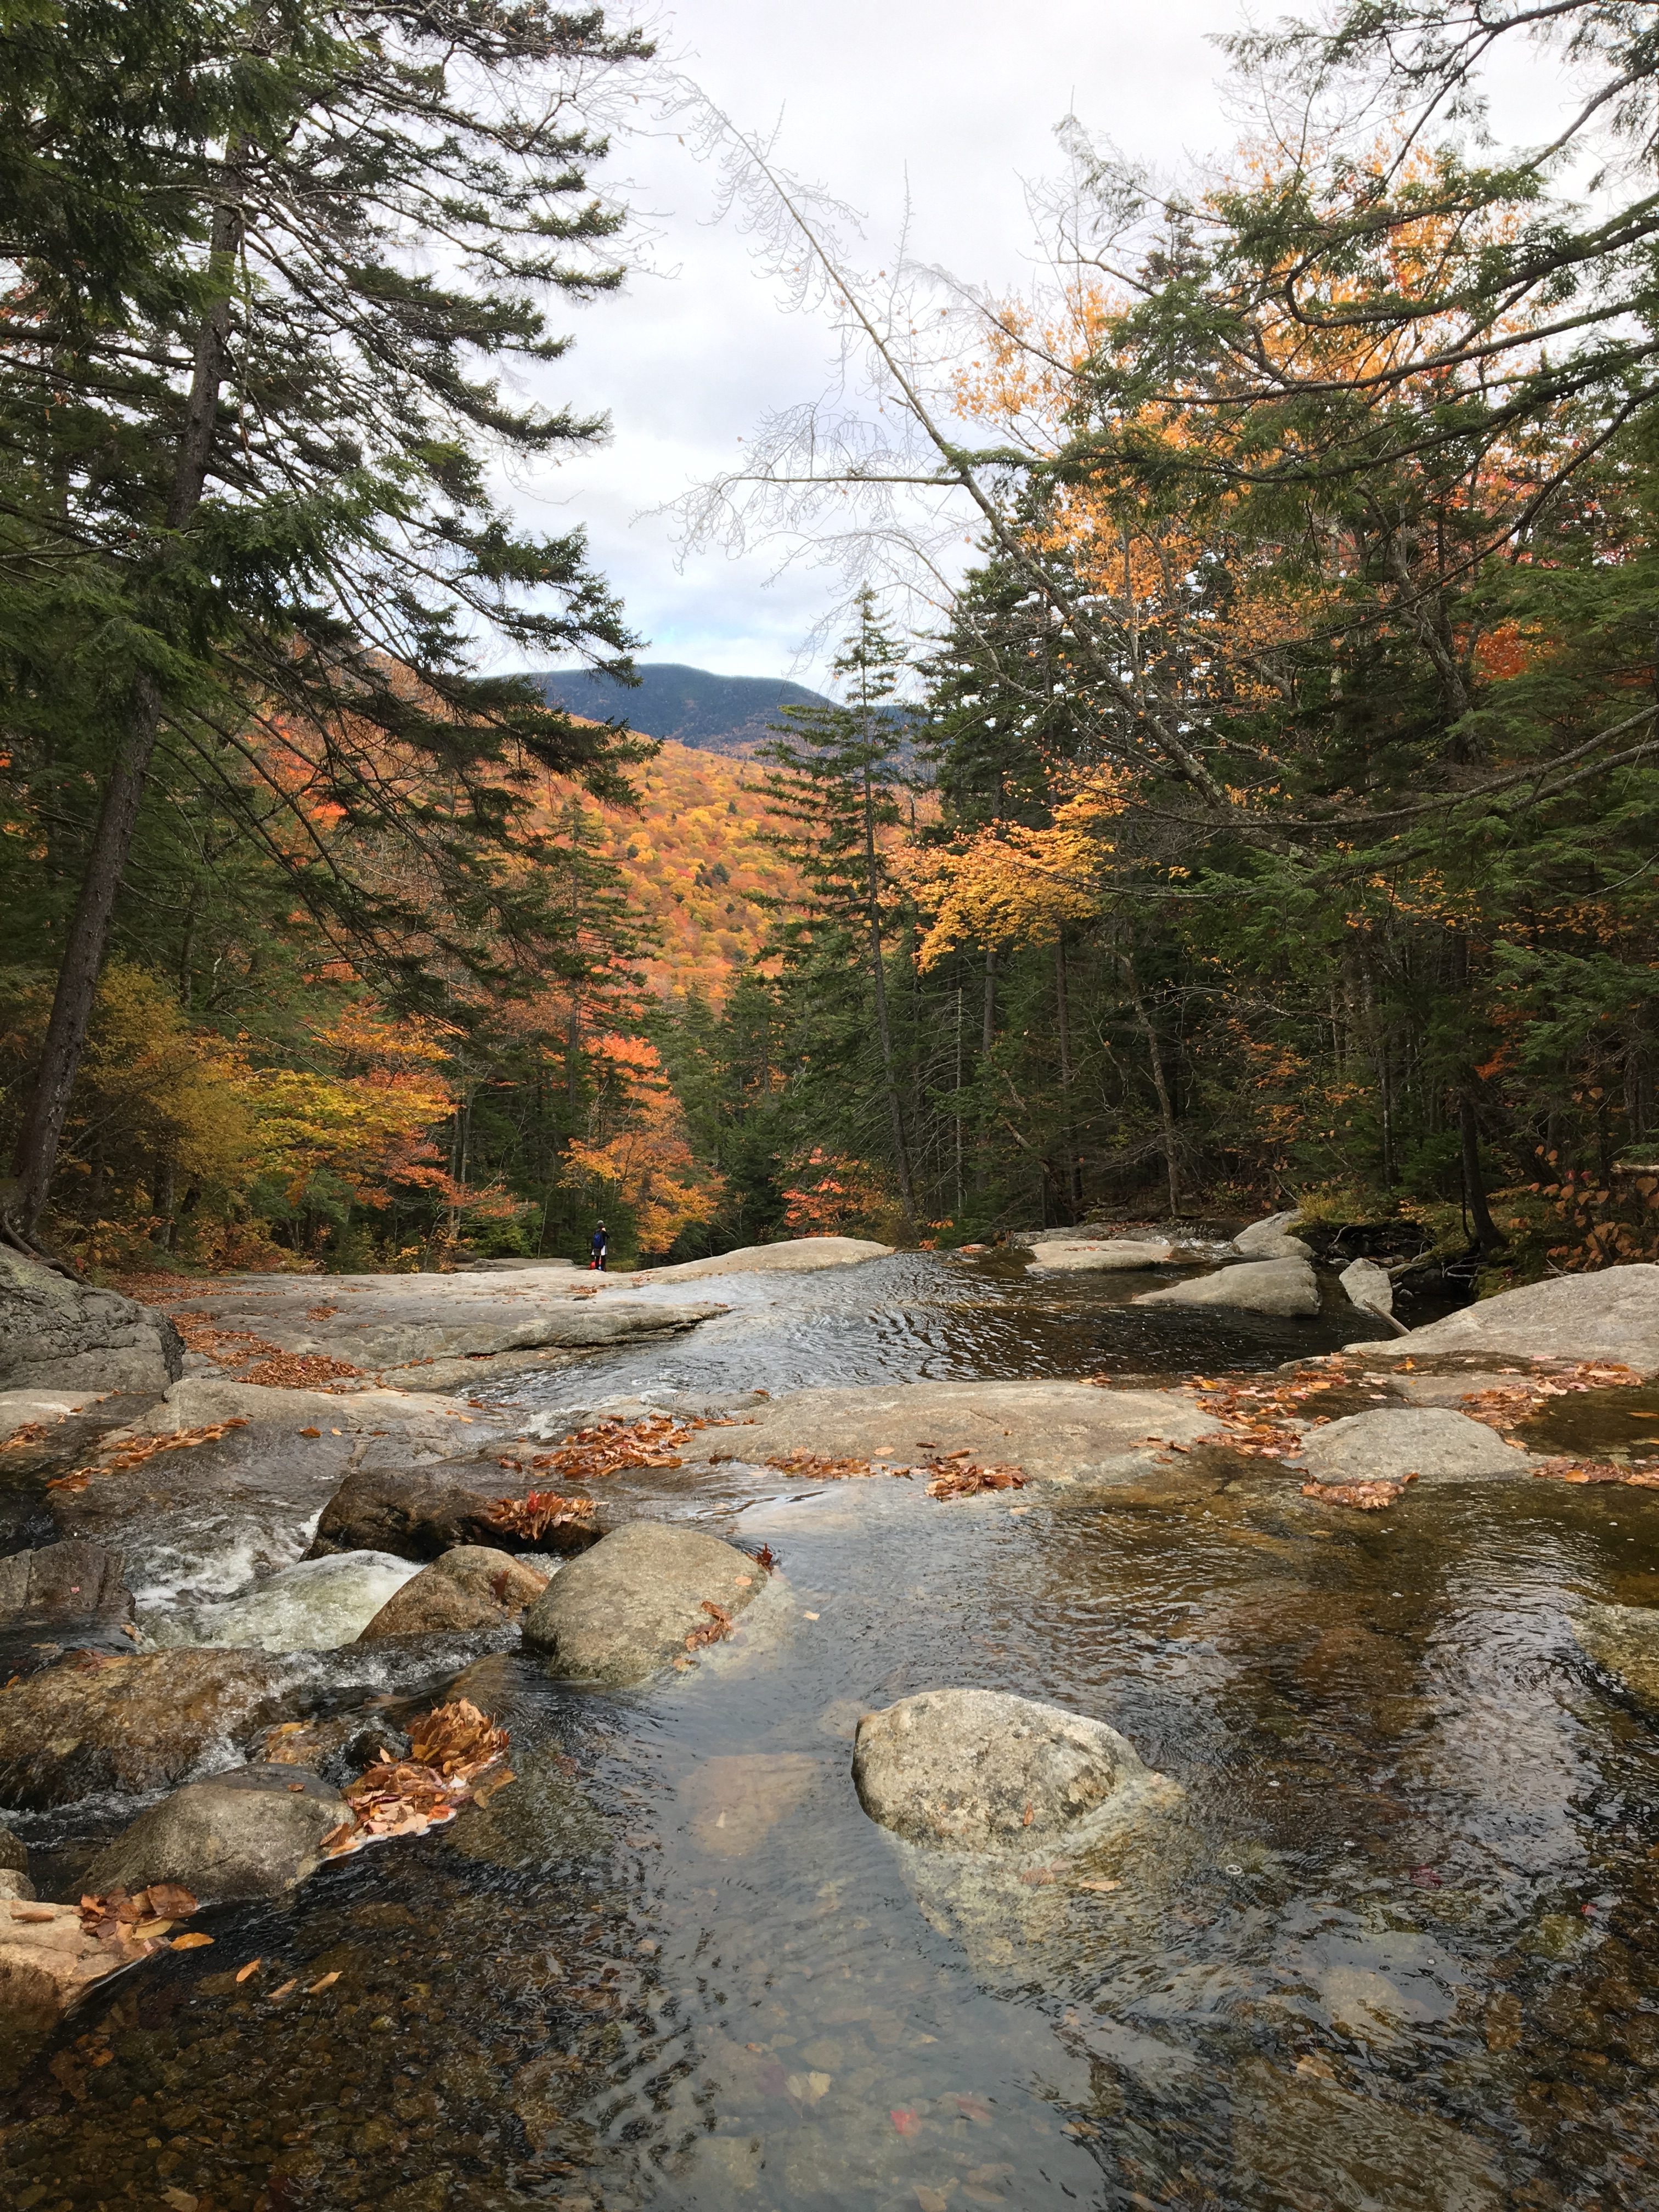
{"type": "Point", "coordinates": [1393, 1944]}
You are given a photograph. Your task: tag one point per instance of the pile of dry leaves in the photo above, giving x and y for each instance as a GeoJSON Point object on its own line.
{"type": "Point", "coordinates": [538, 1511]}
{"type": "Point", "coordinates": [960, 1476]}
{"type": "Point", "coordinates": [140, 1449]}
{"type": "Point", "coordinates": [1262, 1419]}
{"type": "Point", "coordinates": [1504, 1408]}
{"type": "Point", "coordinates": [607, 1447]}
{"type": "Point", "coordinates": [146, 1918]}
{"type": "Point", "coordinates": [456, 1758]}
{"type": "Point", "coordinates": [275, 1369]}
{"type": "Point", "coordinates": [1596, 1470]}
{"type": "Point", "coordinates": [823, 1467]}
{"type": "Point", "coordinates": [301, 1370]}
{"type": "Point", "coordinates": [1364, 1497]}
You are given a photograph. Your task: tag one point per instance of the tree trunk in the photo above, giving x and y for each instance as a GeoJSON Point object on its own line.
{"type": "Point", "coordinates": [1165, 1109]}
{"type": "Point", "coordinates": [1063, 1031]}
{"type": "Point", "coordinates": [117, 815]}
{"type": "Point", "coordinates": [883, 1025]}
{"type": "Point", "coordinates": [1490, 1237]}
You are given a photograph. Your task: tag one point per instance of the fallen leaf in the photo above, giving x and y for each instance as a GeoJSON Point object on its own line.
{"type": "Point", "coordinates": [904, 2120]}
{"type": "Point", "coordinates": [1104, 1887]}
{"type": "Point", "coordinates": [195, 1942]}
{"type": "Point", "coordinates": [252, 1967]}
{"type": "Point", "coordinates": [33, 1912]}
{"type": "Point", "coordinates": [931, 2200]}
{"type": "Point", "coordinates": [277, 1994]}
{"type": "Point", "coordinates": [180, 2200]}
{"type": "Point", "coordinates": [311, 1432]}
{"type": "Point", "coordinates": [809, 1616]}
{"type": "Point", "coordinates": [326, 1983]}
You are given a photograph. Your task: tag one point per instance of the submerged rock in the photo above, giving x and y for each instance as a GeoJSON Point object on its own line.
{"type": "Point", "coordinates": [336, 1747]}
{"type": "Point", "coordinates": [134, 1724]}
{"type": "Point", "coordinates": [253, 1832]}
{"type": "Point", "coordinates": [58, 1335]}
{"type": "Point", "coordinates": [416, 1516]}
{"type": "Point", "coordinates": [625, 1610]}
{"type": "Point", "coordinates": [1613, 1314]}
{"type": "Point", "coordinates": [316, 1605]}
{"type": "Point", "coordinates": [980, 1770]}
{"type": "Point", "coordinates": [1431, 1442]}
{"type": "Point", "coordinates": [1265, 1286]}
{"type": "Point", "coordinates": [473, 1586]}
{"type": "Point", "coordinates": [62, 1595]}
{"type": "Point", "coordinates": [1624, 1639]}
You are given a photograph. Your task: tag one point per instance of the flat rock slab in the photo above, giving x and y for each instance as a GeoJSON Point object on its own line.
{"type": "Point", "coordinates": [1287, 1286]}
{"type": "Point", "coordinates": [1097, 1256]}
{"type": "Point", "coordinates": [798, 1256]}
{"type": "Point", "coordinates": [392, 1324]}
{"type": "Point", "coordinates": [58, 1335]}
{"type": "Point", "coordinates": [253, 1832]}
{"type": "Point", "coordinates": [135, 1725]}
{"type": "Point", "coordinates": [1613, 1315]}
{"type": "Point", "coordinates": [623, 1611]}
{"type": "Point", "coordinates": [979, 1771]}
{"type": "Point", "coordinates": [62, 1594]}
{"type": "Point", "coordinates": [48, 1963]}
{"type": "Point", "coordinates": [1431, 1442]}
{"type": "Point", "coordinates": [1051, 1429]}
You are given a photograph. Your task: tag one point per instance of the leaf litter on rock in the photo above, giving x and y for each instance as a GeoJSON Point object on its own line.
{"type": "Point", "coordinates": [140, 1449]}
{"type": "Point", "coordinates": [457, 1757]}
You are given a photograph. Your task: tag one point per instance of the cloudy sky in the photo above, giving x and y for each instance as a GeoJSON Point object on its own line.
{"type": "Point", "coordinates": [952, 101]}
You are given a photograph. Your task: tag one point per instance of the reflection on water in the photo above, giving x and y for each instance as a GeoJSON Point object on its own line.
{"type": "Point", "coordinates": [1396, 1945]}
{"type": "Point", "coordinates": [917, 1317]}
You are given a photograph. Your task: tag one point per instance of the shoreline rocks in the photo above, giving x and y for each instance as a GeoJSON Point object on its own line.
{"type": "Point", "coordinates": [795, 1256]}
{"type": "Point", "coordinates": [982, 1772]}
{"type": "Point", "coordinates": [1612, 1314]}
{"type": "Point", "coordinates": [637, 1601]}
{"type": "Point", "coordinates": [56, 1334]}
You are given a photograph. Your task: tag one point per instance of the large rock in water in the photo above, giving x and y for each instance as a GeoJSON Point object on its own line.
{"type": "Point", "coordinates": [472, 1586]}
{"type": "Point", "coordinates": [1272, 1239]}
{"type": "Point", "coordinates": [57, 1334]}
{"type": "Point", "coordinates": [795, 1255]}
{"type": "Point", "coordinates": [253, 1832]}
{"type": "Point", "coordinates": [1431, 1442]}
{"type": "Point", "coordinates": [61, 1595]}
{"type": "Point", "coordinates": [1264, 1286]}
{"type": "Point", "coordinates": [1090, 1255]}
{"type": "Point", "coordinates": [981, 1771]}
{"type": "Point", "coordinates": [1624, 1639]}
{"type": "Point", "coordinates": [48, 1962]}
{"type": "Point", "coordinates": [1613, 1314]}
{"type": "Point", "coordinates": [135, 1725]}
{"type": "Point", "coordinates": [623, 1611]}
{"type": "Point", "coordinates": [315, 1605]}
{"type": "Point", "coordinates": [422, 1516]}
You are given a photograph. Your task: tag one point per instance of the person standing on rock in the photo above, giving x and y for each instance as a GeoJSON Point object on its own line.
{"type": "Point", "coordinates": [598, 1247]}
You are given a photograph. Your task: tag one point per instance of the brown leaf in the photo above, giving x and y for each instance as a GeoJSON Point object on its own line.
{"type": "Point", "coordinates": [252, 1967]}
{"type": "Point", "coordinates": [194, 1941]}
{"type": "Point", "coordinates": [326, 1983]}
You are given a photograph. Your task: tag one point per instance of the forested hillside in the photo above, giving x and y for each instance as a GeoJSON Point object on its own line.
{"type": "Point", "coordinates": [714, 713]}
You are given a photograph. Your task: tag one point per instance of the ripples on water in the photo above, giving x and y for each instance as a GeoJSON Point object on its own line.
{"type": "Point", "coordinates": [1396, 1948]}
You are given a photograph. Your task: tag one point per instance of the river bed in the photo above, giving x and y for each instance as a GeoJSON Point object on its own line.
{"type": "Point", "coordinates": [1394, 1945]}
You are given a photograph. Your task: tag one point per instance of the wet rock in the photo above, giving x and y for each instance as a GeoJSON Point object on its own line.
{"type": "Point", "coordinates": [13, 1884]}
{"type": "Point", "coordinates": [253, 1832]}
{"type": "Point", "coordinates": [132, 1725]}
{"type": "Point", "coordinates": [795, 1255]}
{"type": "Point", "coordinates": [58, 1335]}
{"type": "Point", "coordinates": [1272, 1239]}
{"type": "Point", "coordinates": [336, 1747]}
{"type": "Point", "coordinates": [422, 1516]}
{"type": "Point", "coordinates": [60, 1597]}
{"type": "Point", "coordinates": [1431, 1442]}
{"type": "Point", "coordinates": [1284, 1286]}
{"type": "Point", "coordinates": [39, 1409]}
{"type": "Point", "coordinates": [424, 1422]}
{"type": "Point", "coordinates": [48, 1963]}
{"type": "Point", "coordinates": [1369, 1287]}
{"type": "Point", "coordinates": [1613, 1315]}
{"type": "Point", "coordinates": [1054, 1431]}
{"type": "Point", "coordinates": [623, 1611]}
{"type": "Point", "coordinates": [979, 1771]}
{"type": "Point", "coordinates": [1097, 1256]}
{"type": "Point", "coordinates": [316, 1605]}
{"type": "Point", "coordinates": [472, 1586]}
{"type": "Point", "coordinates": [14, 1855]}
{"type": "Point", "coordinates": [1624, 1639]}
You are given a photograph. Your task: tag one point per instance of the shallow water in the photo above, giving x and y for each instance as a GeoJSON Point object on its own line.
{"type": "Point", "coordinates": [1396, 1945]}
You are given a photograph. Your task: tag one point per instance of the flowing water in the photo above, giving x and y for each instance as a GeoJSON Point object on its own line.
{"type": "Point", "coordinates": [1396, 1944]}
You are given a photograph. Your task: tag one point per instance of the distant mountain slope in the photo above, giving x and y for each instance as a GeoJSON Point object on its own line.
{"type": "Point", "coordinates": [693, 706]}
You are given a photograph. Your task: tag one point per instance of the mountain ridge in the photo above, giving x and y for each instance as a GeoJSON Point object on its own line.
{"type": "Point", "coordinates": [694, 706]}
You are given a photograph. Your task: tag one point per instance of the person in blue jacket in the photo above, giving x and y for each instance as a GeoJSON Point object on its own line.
{"type": "Point", "coordinates": [598, 1247]}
